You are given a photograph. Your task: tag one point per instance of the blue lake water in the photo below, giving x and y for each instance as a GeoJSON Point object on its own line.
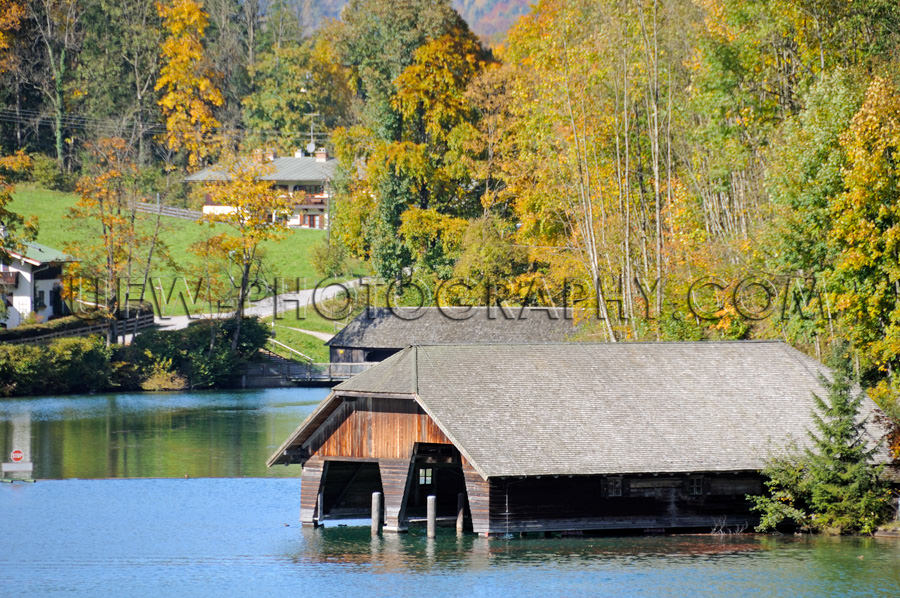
{"type": "Point", "coordinates": [228, 531]}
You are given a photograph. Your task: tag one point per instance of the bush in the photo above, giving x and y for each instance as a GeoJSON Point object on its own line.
{"type": "Point", "coordinates": [201, 353]}
{"type": "Point", "coordinates": [65, 365]}
{"type": "Point", "coordinates": [162, 376]}
{"type": "Point", "coordinates": [329, 259]}
{"type": "Point", "coordinates": [45, 172]}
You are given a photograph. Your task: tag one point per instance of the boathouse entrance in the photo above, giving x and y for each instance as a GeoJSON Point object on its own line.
{"type": "Point", "coordinates": [342, 489]}
{"type": "Point", "coordinates": [436, 470]}
{"type": "Point", "coordinates": [346, 489]}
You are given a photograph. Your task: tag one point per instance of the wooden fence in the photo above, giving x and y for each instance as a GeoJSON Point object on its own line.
{"type": "Point", "coordinates": [152, 208]}
{"type": "Point", "coordinates": [124, 326]}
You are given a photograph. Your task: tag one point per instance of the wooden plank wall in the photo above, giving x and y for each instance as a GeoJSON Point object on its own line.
{"type": "Point", "coordinates": [564, 503]}
{"type": "Point", "coordinates": [310, 480]}
{"type": "Point", "coordinates": [375, 428]}
{"type": "Point", "coordinates": [478, 492]}
{"type": "Point", "coordinates": [395, 478]}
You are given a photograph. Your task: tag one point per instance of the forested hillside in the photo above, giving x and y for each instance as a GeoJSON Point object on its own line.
{"type": "Point", "coordinates": [488, 18]}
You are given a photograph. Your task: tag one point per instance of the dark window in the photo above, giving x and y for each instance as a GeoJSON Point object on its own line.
{"type": "Point", "coordinates": [695, 486]}
{"type": "Point", "coordinates": [39, 301]}
{"type": "Point", "coordinates": [614, 487]}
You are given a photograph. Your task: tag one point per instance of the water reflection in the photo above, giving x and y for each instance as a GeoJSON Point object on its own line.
{"type": "Point", "coordinates": [223, 537]}
{"type": "Point", "coordinates": [206, 434]}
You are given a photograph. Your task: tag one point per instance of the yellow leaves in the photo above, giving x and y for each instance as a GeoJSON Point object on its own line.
{"type": "Point", "coordinates": [18, 162]}
{"type": "Point", "coordinates": [421, 228]}
{"type": "Point", "coordinates": [258, 209]}
{"type": "Point", "coordinates": [189, 93]}
{"type": "Point", "coordinates": [11, 14]}
{"type": "Point", "coordinates": [436, 81]}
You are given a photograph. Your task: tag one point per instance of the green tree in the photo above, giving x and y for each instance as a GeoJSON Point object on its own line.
{"type": "Point", "coordinates": [292, 81]}
{"type": "Point", "coordinates": [411, 62]}
{"type": "Point", "coordinates": [865, 286]}
{"type": "Point", "coordinates": [833, 486]}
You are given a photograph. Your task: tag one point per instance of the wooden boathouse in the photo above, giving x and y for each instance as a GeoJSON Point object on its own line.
{"type": "Point", "coordinates": [557, 436]}
{"type": "Point", "coordinates": [379, 332]}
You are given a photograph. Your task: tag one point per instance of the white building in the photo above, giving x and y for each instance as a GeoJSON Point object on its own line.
{"type": "Point", "coordinates": [31, 282]}
{"type": "Point", "coordinates": [306, 180]}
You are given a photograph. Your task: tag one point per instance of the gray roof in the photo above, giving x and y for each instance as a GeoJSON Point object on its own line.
{"type": "Point", "coordinates": [395, 328]}
{"type": "Point", "coordinates": [299, 170]}
{"type": "Point", "coordinates": [603, 408]}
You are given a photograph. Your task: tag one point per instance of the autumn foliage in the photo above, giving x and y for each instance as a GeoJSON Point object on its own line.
{"type": "Point", "coordinates": [189, 93]}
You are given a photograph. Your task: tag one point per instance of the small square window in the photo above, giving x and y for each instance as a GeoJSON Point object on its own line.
{"type": "Point", "coordinates": [695, 486]}
{"type": "Point", "coordinates": [425, 476]}
{"type": "Point", "coordinates": [614, 487]}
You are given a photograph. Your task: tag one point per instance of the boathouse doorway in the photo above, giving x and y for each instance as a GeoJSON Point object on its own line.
{"type": "Point", "coordinates": [347, 487]}
{"type": "Point", "coordinates": [436, 469]}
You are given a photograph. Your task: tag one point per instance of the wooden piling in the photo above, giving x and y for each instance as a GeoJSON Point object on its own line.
{"type": "Point", "coordinates": [431, 515]}
{"type": "Point", "coordinates": [460, 512]}
{"type": "Point", "coordinates": [376, 513]}
{"type": "Point", "coordinates": [320, 505]}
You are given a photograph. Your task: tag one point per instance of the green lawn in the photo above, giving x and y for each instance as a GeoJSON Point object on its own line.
{"type": "Point", "coordinates": [287, 258]}
{"type": "Point", "coordinates": [287, 330]}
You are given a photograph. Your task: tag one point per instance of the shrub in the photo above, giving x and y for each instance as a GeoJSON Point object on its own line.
{"type": "Point", "coordinates": [32, 328]}
{"type": "Point", "coordinates": [162, 376]}
{"type": "Point", "coordinates": [329, 259]}
{"type": "Point", "coordinates": [45, 172]}
{"type": "Point", "coordinates": [201, 353]}
{"type": "Point", "coordinates": [63, 366]}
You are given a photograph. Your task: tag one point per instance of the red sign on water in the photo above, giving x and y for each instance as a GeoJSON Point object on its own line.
{"type": "Point", "coordinates": [17, 455]}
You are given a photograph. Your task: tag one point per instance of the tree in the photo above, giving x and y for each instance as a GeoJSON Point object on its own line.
{"type": "Point", "coordinates": [189, 92]}
{"type": "Point", "coordinates": [11, 14]}
{"type": "Point", "coordinates": [108, 196]}
{"type": "Point", "coordinates": [59, 29]}
{"type": "Point", "coordinates": [291, 82]}
{"type": "Point", "coordinates": [117, 69]}
{"type": "Point", "coordinates": [865, 234]}
{"type": "Point", "coordinates": [832, 486]}
{"type": "Point", "coordinates": [257, 215]}
{"type": "Point", "coordinates": [14, 230]}
{"type": "Point", "coordinates": [411, 64]}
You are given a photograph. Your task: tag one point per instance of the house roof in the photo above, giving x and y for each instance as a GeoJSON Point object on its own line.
{"type": "Point", "coordinates": [37, 255]}
{"type": "Point", "coordinates": [299, 170]}
{"type": "Point", "coordinates": [602, 408]}
{"type": "Point", "coordinates": [395, 328]}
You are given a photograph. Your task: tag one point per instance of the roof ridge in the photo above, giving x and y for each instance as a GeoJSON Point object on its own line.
{"type": "Point", "coordinates": [596, 343]}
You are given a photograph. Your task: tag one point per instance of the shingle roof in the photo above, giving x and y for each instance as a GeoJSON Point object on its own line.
{"type": "Point", "coordinates": [290, 169]}
{"type": "Point", "coordinates": [395, 328]}
{"type": "Point", "coordinates": [588, 408]}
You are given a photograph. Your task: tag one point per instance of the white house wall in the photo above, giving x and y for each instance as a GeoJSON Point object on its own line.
{"type": "Point", "coordinates": [24, 293]}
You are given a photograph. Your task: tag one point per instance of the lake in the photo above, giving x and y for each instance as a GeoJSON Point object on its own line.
{"type": "Point", "coordinates": [112, 514]}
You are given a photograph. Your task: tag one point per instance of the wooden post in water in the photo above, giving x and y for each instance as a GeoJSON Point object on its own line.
{"type": "Point", "coordinates": [431, 515]}
{"type": "Point", "coordinates": [460, 512]}
{"type": "Point", "coordinates": [321, 508]}
{"type": "Point", "coordinates": [376, 513]}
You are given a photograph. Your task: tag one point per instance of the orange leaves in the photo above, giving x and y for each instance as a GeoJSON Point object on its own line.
{"type": "Point", "coordinates": [189, 92]}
